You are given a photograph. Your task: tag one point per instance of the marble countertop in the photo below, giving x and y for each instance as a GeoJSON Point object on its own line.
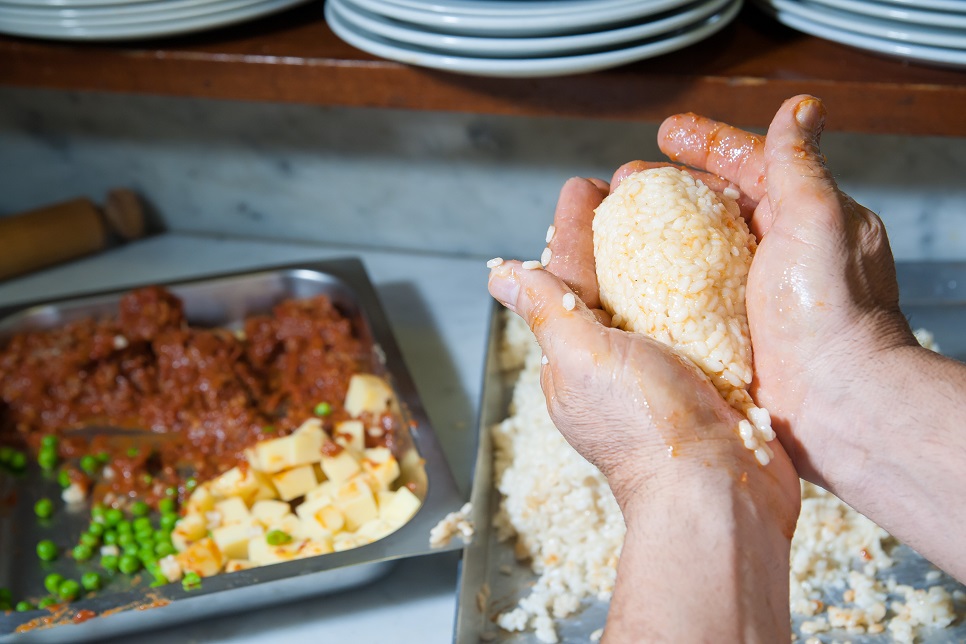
{"type": "Point", "coordinates": [438, 308]}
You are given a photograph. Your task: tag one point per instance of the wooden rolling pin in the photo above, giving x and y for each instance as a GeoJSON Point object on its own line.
{"type": "Point", "coordinates": [68, 230]}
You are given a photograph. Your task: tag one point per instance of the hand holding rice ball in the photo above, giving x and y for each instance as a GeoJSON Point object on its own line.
{"type": "Point", "coordinates": [833, 360]}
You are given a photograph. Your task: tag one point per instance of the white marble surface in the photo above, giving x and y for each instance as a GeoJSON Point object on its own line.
{"type": "Point", "coordinates": [460, 183]}
{"type": "Point", "coordinates": [438, 308]}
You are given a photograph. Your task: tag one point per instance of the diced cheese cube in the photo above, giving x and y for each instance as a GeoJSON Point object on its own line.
{"type": "Point", "coordinates": [200, 501]}
{"type": "Point", "coordinates": [378, 454]}
{"type": "Point", "coordinates": [187, 530]}
{"type": "Point", "coordinates": [322, 517]}
{"type": "Point", "coordinates": [232, 540]}
{"type": "Point", "coordinates": [325, 489]}
{"type": "Point", "coordinates": [351, 434]}
{"type": "Point", "coordinates": [315, 547]}
{"type": "Point", "coordinates": [265, 488]}
{"type": "Point", "coordinates": [367, 393]}
{"type": "Point", "coordinates": [233, 510]}
{"type": "Point", "coordinates": [308, 439]}
{"type": "Point", "coordinates": [376, 529]}
{"type": "Point", "coordinates": [340, 467]}
{"type": "Point", "coordinates": [348, 540]}
{"type": "Point", "coordinates": [357, 503]}
{"type": "Point", "coordinates": [238, 481]}
{"type": "Point", "coordinates": [381, 473]}
{"type": "Point", "coordinates": [269, 511]}
{"type": "Point", "coordinates": [170, 567]}
{"type": "Point", "coordinates": [399, 507]}
{"type": "Point", "coordinates": [202, 557]}
{"type": "Point", "coordinates": [276, 454]}
{"type": "Point", "coordinates": [292, 526]}
{"type": "Point", "coordinates": [261, 553]}
{"type": "Point", "coordinates": [294, 482]}
{"type": "Point", "coordinates": [234, 565]}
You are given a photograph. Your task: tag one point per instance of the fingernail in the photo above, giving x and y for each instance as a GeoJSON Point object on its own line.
{"type": "Point", "coordinates": [504, 286]}
{"type": "Point", "coordinates": [810, 114]}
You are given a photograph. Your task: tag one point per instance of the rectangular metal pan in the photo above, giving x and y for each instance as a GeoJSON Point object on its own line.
{"type": "Point", "coordinates": [933, 296]}
{"type": "Point", "coordinates": [223, 300]}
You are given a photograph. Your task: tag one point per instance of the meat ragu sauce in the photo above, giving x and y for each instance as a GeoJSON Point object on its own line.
{"type": "Point", "coordinates": [211, 392]}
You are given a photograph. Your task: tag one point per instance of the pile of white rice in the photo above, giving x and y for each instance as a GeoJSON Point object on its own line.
{"type": "Point", "coordinates": [567, 525]}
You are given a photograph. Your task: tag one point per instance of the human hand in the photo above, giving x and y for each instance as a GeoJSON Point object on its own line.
{"type": "Point", "coordinates": [645, 416]}
{"type": "Point", "coordinates": [822, 298]}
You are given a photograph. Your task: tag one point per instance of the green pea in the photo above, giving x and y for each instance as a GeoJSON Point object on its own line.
{"type": "Point", "coordinates": [171, 492]}
{"type": "Point", "coordinates": [102, 457]}
{"type": "Point", "coordinates": [47, 459]}
{"type": "Point", "coordinates": [97, 512]}
{"type": "Point", "coordinates": [46, 550]}
{"type": "Point", "coordinates": [63, 478]}
{"type": "Point", "coordinates": [52, 582]}
{"type": "Point", "coordinates": [268, 429]}
{"type": "Point", "coordinates": [277, 537]}
{"type": "Point", "coordinates": [190, 484]}
{"type": "Point", "coordinates": [82, 552]}
{"type": "Point", "coordinates": [91, 581]}
{"type": "Point", "coordinates": [96, 529]}
{"type": "Point", "coordinates": [47, 602]}
{"type": "Point", "coordinates": [167, 506]}
{"type": "Point", "coordinates": [6, 595]}
{"type": "Point", "coordinates": [125, 539]}
{"type": "Point", "coordinates": [164, 548]}
{"type": "Point", "coordinates": [89, 464]}
{"type": "Point", "coordinates": [69, 590]}
{"type": "Point", "coordinates": [323, 409]}
{"type": "Point", "coordinates": [23, 606]}
{"type": "Point", "coordinates": [139, 509]}
{"type": "Point", "coordinates": [129, 564]}
{"type": "Point", "coordinates": [168, 521]}
{"type": "Point", "coordinates": [18, 461]}
{"type": "Point", "coordinates": [142, 523]}
{"type": "Point", "coordinates": [124, 527]}
{"type": "Point", "coordinates": [49, 441]}
{"type": "Point", "coordinates": [6, 453]}
{"type": "Point", "coordinates": [90, 540]}
{"type": "Point", "coordinates": [113, 516]}
{"type": "Point", "coordinates": [131, 549]}
{"type": "Point", "coordinates": [133, 451]}
{"type": "Point", "coordinates": [43, 508]}
{"type": "Point", "coordinates": [110, 537]}
{"type": "Point", "coordinates": [191, 580]}
{"type": "Point", "coordinates": [109, 562]}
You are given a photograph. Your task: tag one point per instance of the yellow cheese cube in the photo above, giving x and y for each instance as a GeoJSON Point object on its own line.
{"type": "Point", "coordinates": [307, 442]}
{"type": "Point", "coordinates": [260, 552]}
{"type": "Point", "coordinates": [398, 507]}
{"type": "Point", "coordinates": [200, 501]}
{"type": "Point", "coordinates": [381, 473]}
{"type": "Point", "coordinates": [292, 526]}
{"type": "Point", "coordinates": [351, 434]}
{"type": "Point", "coordinates": [276, 455]}
{"type": "Point", "coordinates": [376, 529]}
{"type": "Point", "coordinates": [294, 482]}
{"type": "Point", "coordinates": [187, 530]}
{"type": "Point", "coordinates": [357, 503]}
{"type": "Point", "coordinates": [268, 511]}
{"type": "Point", "coordinates": [232, 510]}
{"type": "Point", "coordinates": [232, 540]}
{"type": "Point", "coordinates": [340, 467]}
{"type": "Point", "coordinates": [314, 547]}
{"type": "Point", "coordinates": [324, 490]}
{"type": "Point", "coordinates": [234, 565]}
{"type": "Point", "coordinates": [237, 481]}
{"type": "Point", "coordinates": [201, 557]}
{"type": "Point", "coordinates": [367, 393]}
{"type": "Point", "coordinates": [322, 518]}
{"type": "Point", "coordinates": [348, 540]}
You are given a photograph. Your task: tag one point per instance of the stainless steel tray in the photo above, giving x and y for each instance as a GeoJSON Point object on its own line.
{"type": "Point", "coordinates": [221, 300]}
{"type": "Point", "coordinates": [493, 581]}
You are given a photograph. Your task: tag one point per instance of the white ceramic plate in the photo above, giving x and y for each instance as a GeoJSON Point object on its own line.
{"type": "Point", "coordinates": [905, 51]}
{"type": "Point", "coordinates": [138, 8]}
{"type": "Point", "coordinates": [505, 8]}
{"type": "Point", "coordinates": [112, 18]}
{"type": "Point", "coordinates": [881, 29]}
{"type": "Point", "coordinates": [911, 16]}
{"type": "Point", "coordinates": [513, 25]}
{"type": "Point", "coordinates": [954, 6]}
{"type": "Point", "coordinates": [407, 34]}
{"type": "Point", "coordinates": [152, 29]}
{"type": "Point", "coordinates": [526, 67]}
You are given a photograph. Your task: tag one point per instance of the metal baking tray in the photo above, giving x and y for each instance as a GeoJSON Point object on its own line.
{"type": "Point", "coordinates": [933, 296]}
{"type": "Point", "coordinates": [222, 300]}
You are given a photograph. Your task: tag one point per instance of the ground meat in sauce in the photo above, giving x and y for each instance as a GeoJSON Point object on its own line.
{"type": "Point", "coordinates": [210, 392]}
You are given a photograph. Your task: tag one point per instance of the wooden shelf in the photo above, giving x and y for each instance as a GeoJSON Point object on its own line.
{"type": "Point", "coordinates": [740, 75]}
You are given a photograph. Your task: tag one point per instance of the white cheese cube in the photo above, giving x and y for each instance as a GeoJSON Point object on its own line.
{"type": "Point", "coordinates": [340, 467]}
{"type": "Point", "coordinates": [351, 434]}
{"type": "Point", "coordinates": [376, 529]}
{"type": "Point", "coordinates": [292, 526]}
{"type": "Point", "coordinates": [294, 482]}
{"type": "Point", "coordinates": [200, 502]}
{"type": "Point", "coordinates": [315, 547]}
{"type": "Point", "coordinates": [398, 507]}
{"type": "Point", "coordinates": [321, 517]}
{"type": "Point", "coordinates": [308, 439]}
{"type": "Point", "coordinates": [170, 567]}
{"type": "Point", "coordinates": [232, 540]}
{"type": "Point", "coordinates": [234, 565]}
{"type": "Point", "coordinates": [325, 489]}
{"type": "Point", "coordinates": [348, 540]}
{"type": "Point", "coordinates": [269, 511]}
{"type": "Point", "coordinates": [378, 454]}
{"type": "Point", "coordinates": [187, 530]}
{"type": "Point", "coordinates": [261, 553]}
{"type": "Point", "coordinates": [357, 503]}
{"type": "Point", "coordinates": [276, 454]}
{"type": "Point", "coordinates": [367, 393]}
{"type": "Point", "coordinates": [232, 510]}
{"type": "Point", "coordinates": [382, 474]}
{"type": "Point", "coordinates": [238, 481]}
{"type": "Point", "coordinates": [201, 557]}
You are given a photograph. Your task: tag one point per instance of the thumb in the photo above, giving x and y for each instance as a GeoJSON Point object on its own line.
{"type": "Point", "coordinates": [799, 185]}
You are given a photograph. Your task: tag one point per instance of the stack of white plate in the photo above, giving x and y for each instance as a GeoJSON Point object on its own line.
{"type": "Point", "coordinates": [525, 38]}
{"type": "Point", "coordinates": [928, 31]}
{"type": "Point", "coordinates": [126, 19]}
